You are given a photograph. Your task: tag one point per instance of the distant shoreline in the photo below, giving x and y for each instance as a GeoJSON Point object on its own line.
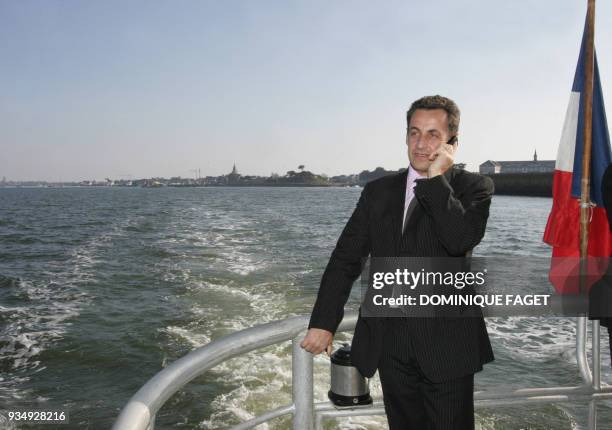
{"type": "Point", "coordinates": [535, 184]}
{"type": "Point", "coordinates": [184, 186]}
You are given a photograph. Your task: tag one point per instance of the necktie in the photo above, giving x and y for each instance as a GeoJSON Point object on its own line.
{"type": "Point", "coordinates": [409, 211]}
{"type": "Point", "coordinates": [396, 292]}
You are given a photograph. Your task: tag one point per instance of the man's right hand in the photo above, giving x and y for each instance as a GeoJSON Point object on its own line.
{"type": "Point", "coordinates": [318, 340]}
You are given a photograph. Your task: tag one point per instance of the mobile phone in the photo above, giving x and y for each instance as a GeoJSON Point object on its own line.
{"type": "Point", "coordinates": [452, 141]}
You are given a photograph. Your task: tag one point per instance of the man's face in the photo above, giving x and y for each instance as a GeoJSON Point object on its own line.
{"type": "Point", "coordinates": [427, 130]}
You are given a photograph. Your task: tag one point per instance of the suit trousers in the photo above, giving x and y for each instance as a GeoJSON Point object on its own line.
{"type": "Point", "coordinates": [413, 402]}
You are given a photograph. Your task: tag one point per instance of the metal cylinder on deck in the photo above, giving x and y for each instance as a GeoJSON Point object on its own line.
{"type": "Point", "coordinates": [348, 387]}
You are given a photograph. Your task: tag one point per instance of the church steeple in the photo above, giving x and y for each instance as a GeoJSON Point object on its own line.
{"type": "Point", "coordinates": [535, 155]}
{"type": "Point", "coordinates": [234, 171]}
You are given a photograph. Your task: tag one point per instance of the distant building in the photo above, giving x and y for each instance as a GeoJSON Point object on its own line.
{"type": "Point", "coordinates": [491, 167]}
{"type": "Point", "coordinates": [234, 177]}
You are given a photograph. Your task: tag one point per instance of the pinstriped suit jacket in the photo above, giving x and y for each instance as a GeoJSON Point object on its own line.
{"type": "Point", "coordinates": [449, 220]}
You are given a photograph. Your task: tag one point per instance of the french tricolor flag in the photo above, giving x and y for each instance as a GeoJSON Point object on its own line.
{"type": "Point", "coordinates": [563, 226]}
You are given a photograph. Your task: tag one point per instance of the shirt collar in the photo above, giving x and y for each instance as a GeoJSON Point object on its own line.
{"type": "Point", "coordinates": [413, 174]}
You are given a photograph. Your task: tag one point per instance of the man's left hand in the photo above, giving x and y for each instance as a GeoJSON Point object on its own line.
{"type": "Point", "coordinates": [442, 158]}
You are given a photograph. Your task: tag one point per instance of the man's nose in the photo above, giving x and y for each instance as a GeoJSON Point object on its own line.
{"type": "Point", "coordinates": [420, 142]}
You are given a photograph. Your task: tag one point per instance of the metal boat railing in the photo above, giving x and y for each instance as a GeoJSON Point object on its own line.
{"type": "Point", "coordinates": [140, 411]}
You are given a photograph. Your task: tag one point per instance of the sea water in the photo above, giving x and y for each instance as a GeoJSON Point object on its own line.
{"type": "Point", "coordinates": [100, 288]}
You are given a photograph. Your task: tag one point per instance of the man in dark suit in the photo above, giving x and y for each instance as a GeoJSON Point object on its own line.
{"type": "Point", "coordinates": [426, 365]}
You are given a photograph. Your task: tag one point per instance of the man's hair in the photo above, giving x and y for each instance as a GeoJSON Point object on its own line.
{"type": "Point", "coordinates": [437, 102]}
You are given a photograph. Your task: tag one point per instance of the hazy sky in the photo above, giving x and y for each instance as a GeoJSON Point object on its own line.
{"type": "Point", "coordinates": [95, 89]}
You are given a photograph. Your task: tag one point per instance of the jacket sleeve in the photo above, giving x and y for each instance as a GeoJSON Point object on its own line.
{"type": "Point", "coordinates": [343, 268]}
{"type": "Point", "coordinates": [459, 223]}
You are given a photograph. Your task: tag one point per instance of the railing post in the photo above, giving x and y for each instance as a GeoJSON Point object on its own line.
{"type": "Point", "coordinates": [593, 415]}
{"type": "Point", "coordinates": [596, 354]}
{"type": "Point", "coordinates": [302, 384]}
{"type": "Point", "coordinates": [151, 425]}
{"type": "Point", "coordinates": [581, 355]}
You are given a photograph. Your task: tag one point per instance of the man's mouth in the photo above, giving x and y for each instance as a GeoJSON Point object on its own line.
{"type": "Point", "coordinates": [421, 155]}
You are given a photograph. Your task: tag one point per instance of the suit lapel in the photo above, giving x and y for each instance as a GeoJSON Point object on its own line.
{"type": "Point", "coordinates": [449, 173]}
{"type": "Point", "coordinates": [398, 196]}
